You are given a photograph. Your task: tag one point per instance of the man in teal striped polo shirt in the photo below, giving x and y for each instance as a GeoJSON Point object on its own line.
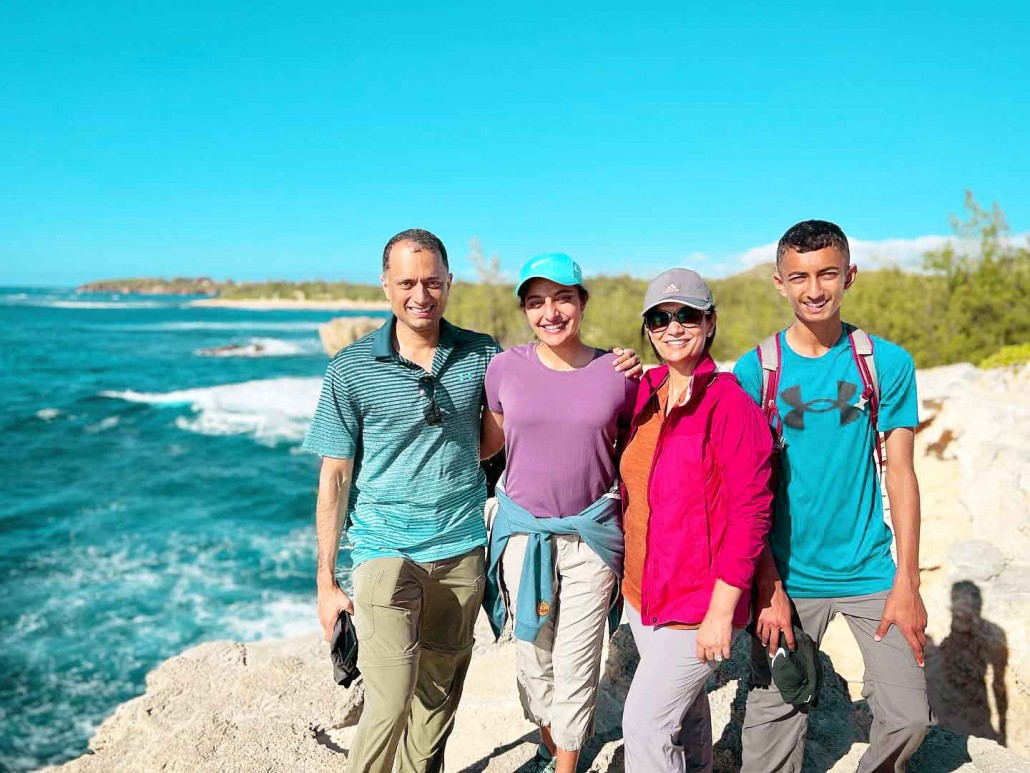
{"type": "Point", "coordinates": [398, 426]}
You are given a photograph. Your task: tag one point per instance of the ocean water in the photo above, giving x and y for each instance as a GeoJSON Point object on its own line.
{"type": "Point", "coordinates": [152, 497]}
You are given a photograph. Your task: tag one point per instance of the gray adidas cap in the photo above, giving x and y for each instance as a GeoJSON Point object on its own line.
{"type": "Point", "coordinates": [678, 285]}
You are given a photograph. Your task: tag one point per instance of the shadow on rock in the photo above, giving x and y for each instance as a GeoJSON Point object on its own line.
{"type": "Point", "coordinates": [966, 672]}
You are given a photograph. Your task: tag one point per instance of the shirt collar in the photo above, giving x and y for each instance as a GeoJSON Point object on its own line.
{"type": "Point", "coordinates": [704, 372]}
{"type": "Point", "coordinates": [382, 344]}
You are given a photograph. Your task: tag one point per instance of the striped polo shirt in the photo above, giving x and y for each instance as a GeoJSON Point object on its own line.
{"type": "Point", "coordinates": [418, 490]}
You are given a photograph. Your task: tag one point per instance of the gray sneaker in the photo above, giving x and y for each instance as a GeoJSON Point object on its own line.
{"type": "Point", "coordinates": [540, 765]}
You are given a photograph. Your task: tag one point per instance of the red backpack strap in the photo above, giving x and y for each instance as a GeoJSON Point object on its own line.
{"type": "Point", "coordinates": [769, 357]}
{"type": "Point", "coordinates": [862, 352]}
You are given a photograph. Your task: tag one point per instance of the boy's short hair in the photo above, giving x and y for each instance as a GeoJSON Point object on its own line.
{"type": "Point", "coordinates": [812, 235]}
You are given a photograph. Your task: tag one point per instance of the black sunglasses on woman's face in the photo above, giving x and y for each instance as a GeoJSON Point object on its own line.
{"type": "Point", "coordinates": [432, 413]}
{"type": "Point", "coordinates": [656, 320]}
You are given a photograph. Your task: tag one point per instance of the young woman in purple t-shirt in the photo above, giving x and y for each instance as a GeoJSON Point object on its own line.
{"type": "Point", "coordinates": [561, 411]}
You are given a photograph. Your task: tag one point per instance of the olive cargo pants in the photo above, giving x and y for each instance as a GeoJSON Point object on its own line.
{"type": "Point", "coordinates": [414, 624]}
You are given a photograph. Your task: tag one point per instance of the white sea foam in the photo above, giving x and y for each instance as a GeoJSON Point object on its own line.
{"type": "Point", "coordinates": [47, 414]}
{"type": "Point", "coordinates": [280, 617]}
{"type": "Point", "coordinates": [260, 347]}
{"type": "Point", "coordinates": [100, 304]}
{"type": "Point", "coordinates": [272, 410]}
{"type": "Point", "coordinates": [104, 424]}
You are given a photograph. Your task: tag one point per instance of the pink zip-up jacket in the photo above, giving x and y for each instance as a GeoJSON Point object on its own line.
{"type": "Point", "coordinates": [708, 494]}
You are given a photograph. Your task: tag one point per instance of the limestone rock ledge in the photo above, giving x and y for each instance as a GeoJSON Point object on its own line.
{"type": "Point", "coordinates": [343, 331]}
{"type": "Point", "coordinates": [272, 706]}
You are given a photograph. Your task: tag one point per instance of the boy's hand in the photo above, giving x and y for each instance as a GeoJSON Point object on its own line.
{"type": "Point", "coordinates": [775, 616]}
{"type": "Point", "coordinates": [904, 608]}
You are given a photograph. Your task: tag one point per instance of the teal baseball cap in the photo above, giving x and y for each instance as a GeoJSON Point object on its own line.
{"type": "Point", "coordinates": [556, 266]}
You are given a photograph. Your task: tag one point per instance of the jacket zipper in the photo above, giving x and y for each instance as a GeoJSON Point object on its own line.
{"type": "Point", "coordinates": [645, 611]}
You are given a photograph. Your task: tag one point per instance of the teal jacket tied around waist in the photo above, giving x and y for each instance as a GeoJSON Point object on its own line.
{"type": "Point", "coordinates": [598, 526]}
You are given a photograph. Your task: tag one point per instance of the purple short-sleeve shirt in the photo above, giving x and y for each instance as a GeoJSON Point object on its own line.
{"type": "Point", "coordinates": [560, 428]}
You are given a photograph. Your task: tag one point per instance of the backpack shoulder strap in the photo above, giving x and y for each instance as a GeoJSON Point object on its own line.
{"type": "Point", "coordinates": [770, 357]}
{"type": "Point", "coordinates": [862, 351]}
{"type": "Point", "coordinates": [862, 346]}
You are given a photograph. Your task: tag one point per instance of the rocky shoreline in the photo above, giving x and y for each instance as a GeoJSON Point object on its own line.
{"type": "Point", "coordinates": [272, 705]}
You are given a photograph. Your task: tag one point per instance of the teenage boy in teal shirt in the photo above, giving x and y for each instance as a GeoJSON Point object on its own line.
{"type": "Point", "coordinates": [829, 548]}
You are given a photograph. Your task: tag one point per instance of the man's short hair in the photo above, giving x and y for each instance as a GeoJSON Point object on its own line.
{"type": "Point", "coordinates": [812, 235]}
{"type": "Point", "coordinates": [423, 239]}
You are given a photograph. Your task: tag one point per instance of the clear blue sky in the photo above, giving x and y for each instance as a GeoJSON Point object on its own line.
{"type": "Point", "coordinates": [257, 140]}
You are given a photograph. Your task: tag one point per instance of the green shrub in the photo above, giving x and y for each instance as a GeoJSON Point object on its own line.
{"type": "Point", "coordinates": [1007, 356]}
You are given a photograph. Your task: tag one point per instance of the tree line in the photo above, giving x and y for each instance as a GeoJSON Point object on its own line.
{"type": "Point", "coordinates": [968, 302]}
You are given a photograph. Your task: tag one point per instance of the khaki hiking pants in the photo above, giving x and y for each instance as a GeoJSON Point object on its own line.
{"type": "Point", "coordinates": [773, 735]}
{"type": "Point", "coordinates": [558, 673]}
{"type": "Point", "coordinates": [414, 625]}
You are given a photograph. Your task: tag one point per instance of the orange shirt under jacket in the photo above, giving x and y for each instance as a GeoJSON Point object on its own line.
{"type": "Point", "coordinates": [635, 469]}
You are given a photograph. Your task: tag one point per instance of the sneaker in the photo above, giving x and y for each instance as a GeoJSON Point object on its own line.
{"type": "Point", "coordinates": [541, 765]}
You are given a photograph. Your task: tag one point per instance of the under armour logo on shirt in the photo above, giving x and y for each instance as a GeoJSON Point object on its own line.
{"type": "Point", "coordinates": [796, 417]}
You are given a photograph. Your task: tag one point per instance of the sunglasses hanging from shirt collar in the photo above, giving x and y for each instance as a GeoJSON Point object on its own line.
{"type": "Point", "coordinates": [427, 389]}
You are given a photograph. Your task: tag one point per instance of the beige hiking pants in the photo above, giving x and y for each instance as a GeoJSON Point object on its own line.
{"type": "Point", "coordinates": [558, 673]}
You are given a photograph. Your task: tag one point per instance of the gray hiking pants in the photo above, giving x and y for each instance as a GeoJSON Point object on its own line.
{"type": "Point", "coordinates": [773, 735]}
{"type": "Point", "coordinates": [667, 722]}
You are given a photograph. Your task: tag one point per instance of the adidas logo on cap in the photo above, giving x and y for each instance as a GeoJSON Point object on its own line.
{"type": "Point", "coordinates": [670, 289]}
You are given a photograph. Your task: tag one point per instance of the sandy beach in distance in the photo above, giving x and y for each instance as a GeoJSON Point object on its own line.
{"type": "Point", "coordinates": [285, 304]}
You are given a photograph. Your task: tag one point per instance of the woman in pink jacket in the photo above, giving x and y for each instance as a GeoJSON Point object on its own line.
{"type": "Point", "coordinates": [696, 503]}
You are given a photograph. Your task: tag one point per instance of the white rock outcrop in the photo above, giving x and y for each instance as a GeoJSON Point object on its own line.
{"type": "Point", "coordinates": [272, 706]}
{"type": "Point", "coordinates": [973, 462]}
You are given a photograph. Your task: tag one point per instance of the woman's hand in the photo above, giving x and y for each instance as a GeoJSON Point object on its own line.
{"type": "Point", "coordinates": [714, 637]}
{"type": "Point", "coordinates": [628, 363]}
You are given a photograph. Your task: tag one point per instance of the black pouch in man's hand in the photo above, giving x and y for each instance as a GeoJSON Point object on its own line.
{"type": "Point", "coordinates": [343, 650]}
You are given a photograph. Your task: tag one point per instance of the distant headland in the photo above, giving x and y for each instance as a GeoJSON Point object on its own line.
{"type": "Point", "coordinates": [255, 296]}
{"type": "Point", "coordinates": [151, 286]}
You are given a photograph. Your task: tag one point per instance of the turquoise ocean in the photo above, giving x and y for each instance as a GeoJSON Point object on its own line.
{"type": "Point", "coordinates": [153, 497]}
